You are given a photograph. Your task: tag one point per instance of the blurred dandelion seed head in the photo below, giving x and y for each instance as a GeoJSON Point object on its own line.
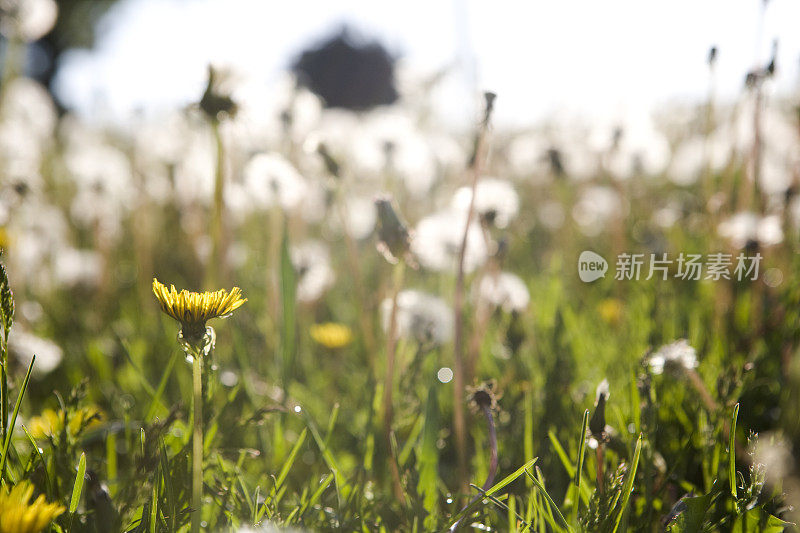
{"type": "Point", "coordinates": [422, 317]}
{"type": "Point", "coordinates": [679, 355]}
{"type": "Point", "coordinates": [504, 290]}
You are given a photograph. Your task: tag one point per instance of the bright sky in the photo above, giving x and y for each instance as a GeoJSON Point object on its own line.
{"type": "Point", "coordinates": [599, 59]}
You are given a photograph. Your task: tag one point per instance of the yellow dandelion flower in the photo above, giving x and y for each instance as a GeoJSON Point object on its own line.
{"type": "Point", "coordinates": [19, 515]}
{"type": "Point", "coordinates": [194, 309]}
{"type": "Point", "coordinates": [331, 335]}
{"type": "Point", "coordinates": [611, 311]}
{"type": "Point", "coordinates": [50, 422]}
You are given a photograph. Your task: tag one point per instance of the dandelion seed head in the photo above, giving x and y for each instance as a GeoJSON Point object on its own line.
{"type": "Point", "coordinates": [311, 261]}
{"type": "Point", "coordinates": [421, 317]}
{"type": "Point", "coordinates": [679, 354]}
{"type": "Point", "coordinates": [504, 290]}
{"type": "Point", "coordinates": [496, 201]}
{"type": "Point", "coordinates": [438, 238]}
{"type": "Point", "coordinates": [271, 180]}
{"type": "Point", "coordinates": [27, 20]}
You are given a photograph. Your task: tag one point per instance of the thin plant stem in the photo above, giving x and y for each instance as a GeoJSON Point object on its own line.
{"type": "Point", "coordinates": [355, 267]}
{"type": "Point", "coordinates": [197, 441]}
{"type": "Point", "coordinates": [600, 455]}
{"type": "Point", "coordinates": [459, 424]}
{"type": "Point", "coordinates": [391, 349]}
{"type": "Point", "coordinates": [493, 461]}
{"type": "Point", "coordinates": [217, 259]}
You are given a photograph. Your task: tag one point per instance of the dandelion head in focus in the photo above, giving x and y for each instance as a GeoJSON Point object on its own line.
{"type": "Point", "coordinates": [18, 514]}
{"type": "Point", "coordinates": [331, 335]}
{"type": "Point", "coordinates": [194, 309]}
{"type": "Point", "coordinates": [484, 396]}
{"type": "Point", "coordinates": [677, 355]}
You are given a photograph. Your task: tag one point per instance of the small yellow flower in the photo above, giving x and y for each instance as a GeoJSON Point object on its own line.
{"type": "Point", "coordinates": [50, 423]}
{"type": "Point", "coordinates": [331, 335]}
{"type": "Point", "coordinates": [19, 515]}
{"type": "Point", "coordinates": [611, 310]}
{"type": "Point", "coordinates": [194, 309]}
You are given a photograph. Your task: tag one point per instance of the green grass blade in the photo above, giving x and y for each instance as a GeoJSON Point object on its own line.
{"type": "Point", "coordinates": [429, 455]}
{"type": "Point", "coordinates": [13, 421]}
{"type": "Point", "coordinates": [44, 463]}
{"type": "Point", "coordinates": [627, 487]}
{"type": "Point", "coordinates": [155, 402]}
{"type": "Point", "coordinates": [77, 488]}
{"type": "Point", "coordinates": [732, 453]}
{"type": "Point", "coordinates": [287, 465]}
{"type": "Point", "coordinates": [550, 502]}
{"type": "Point", "coordinates": [493, 490]}
{"type": "Point", "coordinates": [579, 466]}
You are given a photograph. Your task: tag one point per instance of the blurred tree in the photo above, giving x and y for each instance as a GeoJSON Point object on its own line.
{"type": "Point", "coordinates": [348, 72]}
{"type": "Point", "coordinates": [74, 28]}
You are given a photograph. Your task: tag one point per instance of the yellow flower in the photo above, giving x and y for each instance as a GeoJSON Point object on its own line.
{"type": "Point", "coordinates": [19, 515]}
{"type": "Point", "coordinates": [50, 423]}
{"type": "Point", "coordinates": [611, 311]}
{"type": "Point", "coordinates": [331, 335]}
{"type": "Point", "coordinates": [193, 309]}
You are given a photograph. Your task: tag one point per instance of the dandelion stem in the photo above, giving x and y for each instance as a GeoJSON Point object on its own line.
{"type": "Point", "coordinates": [493, 461]}
{"type": "Point", "coordinates": [197, 441]}
{"type": "Point", "coordinates": [600, 455]}
{"type": "Point", "coordinates": [459, 424]}
{"type": "Point", "coordinates": [216, 261]}
{"type": "Point", "coordinates": [391, 348]}
{"type": "Point", "coordinates": [700, 387]}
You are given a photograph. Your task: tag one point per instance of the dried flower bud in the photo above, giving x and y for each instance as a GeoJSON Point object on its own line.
{"type": "Point", "coordinates": [394, 238]}
{"type": "Point", "coordinates": [597, 424]}
{"type": "Point", "coordinates": [484, 396]}
{"type": "Point", "coordinates": [216, 101]}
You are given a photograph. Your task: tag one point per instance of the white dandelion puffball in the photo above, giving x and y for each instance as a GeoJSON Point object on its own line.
{"type": "Point", "coordinates": [437, 241]}
{"type": "Point", "coordinates": [496, 201]}
{"type": "Point", "coordinates": [504, 290]}
{"type": "Point", "coordinates": [420, 316]}
{"type": "Point", "coordinates": [679, 354]}
{"type": "Point", "coordinates": [312, 263]}
{"type": "Point", "coordinates": [270, 179]}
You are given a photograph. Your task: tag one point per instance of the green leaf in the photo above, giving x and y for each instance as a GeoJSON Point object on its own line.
{"type": "Point", "coordinates": [691, 518]}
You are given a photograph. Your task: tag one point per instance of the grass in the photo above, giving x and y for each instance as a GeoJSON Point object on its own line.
{"type": "Point", "coordinates": [294, 432]}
